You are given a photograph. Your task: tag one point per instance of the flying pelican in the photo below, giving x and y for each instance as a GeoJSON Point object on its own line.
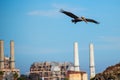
{"type": "Point", "coordinates": [78, 19]}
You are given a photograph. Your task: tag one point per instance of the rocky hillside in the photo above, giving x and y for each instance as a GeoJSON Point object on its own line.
{"type": "Point", "coordinates": [110, 73]}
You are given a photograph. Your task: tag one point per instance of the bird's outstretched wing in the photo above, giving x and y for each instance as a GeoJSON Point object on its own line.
{"type": "Point", "coordinates": [91, 20]}
{"type": "Point", "coordinates": [69, 14]}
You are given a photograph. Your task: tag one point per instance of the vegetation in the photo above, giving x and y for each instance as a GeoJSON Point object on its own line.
{"type": "Point", "coordinates": [15, 75]}
{"type": "Point", "coordinates": [66, 79]}
{"type": "Point", "coordinates": [92, 78]}
{"type": "Point", "coordinates": [23, 77]}
{"type": "Point", "coordinates": [1, 75]}
{"type": "Point", "coordinates": [110, 73]}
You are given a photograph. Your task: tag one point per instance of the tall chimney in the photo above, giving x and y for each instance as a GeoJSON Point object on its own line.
{"type": "Point", "coordinates": [1, 54]}
{"type": "Point", "coordinates": [12, 60]}
{"type": "Point", "coordinates": [76, 57]}
{"type": "Point", "coordinates": [92, 65]}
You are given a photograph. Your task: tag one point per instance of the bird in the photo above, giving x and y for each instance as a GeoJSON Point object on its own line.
{"type": "Point", "coordinates": [78, 19]}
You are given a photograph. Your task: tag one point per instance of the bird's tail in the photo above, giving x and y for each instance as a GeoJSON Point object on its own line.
{"type": "Point", "coordinates": [73, 21]}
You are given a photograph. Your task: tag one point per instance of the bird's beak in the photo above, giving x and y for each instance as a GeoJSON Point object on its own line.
{"type": "Point", "coordinates": [83, 18]}
{"type": "Point", "coordinates": [85, 21]}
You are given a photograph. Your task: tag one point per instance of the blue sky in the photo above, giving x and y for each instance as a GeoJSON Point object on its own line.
{"type": "Point", "coordinates": [42, 33]}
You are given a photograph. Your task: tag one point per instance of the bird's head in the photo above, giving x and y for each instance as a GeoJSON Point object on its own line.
{"type": "Point", "coordinates": [82, 17]}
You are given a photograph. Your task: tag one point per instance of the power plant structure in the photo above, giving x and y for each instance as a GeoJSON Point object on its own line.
{"type": "Point", "coordinates": [92, 64]}
{"type": "Point", "coordinates": [76, 57]}
{"type": "Point", "coordinates": [50, 70]}
{"type": "Point", "coordinates": [7, 64]}
{"type": "Point", "coordinates": [76, 74]}
{"type": "Point", "coordinates": [47, 70]}
{"type": "Point", "coordinates": [58, 71]}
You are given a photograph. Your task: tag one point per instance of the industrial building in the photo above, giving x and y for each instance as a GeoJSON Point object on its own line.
{"type": "Point", "coordinates": [50, 70]}
{"type": "Point", "coordinates": [58, 71]}
{"type": "Point", "coordinates": [7, 64]}
{"type": "Point", "coordinates": [77, 75]}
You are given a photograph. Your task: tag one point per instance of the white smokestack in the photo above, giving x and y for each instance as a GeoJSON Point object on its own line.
{"type": "Point", "coordinates": [12, 60]}
{"type": "Point", "coordinates": [76, 57]}
{"type": "Point", "coordinates": [92, 65]}
{"type": "Point", "coordinates": [1, 54]}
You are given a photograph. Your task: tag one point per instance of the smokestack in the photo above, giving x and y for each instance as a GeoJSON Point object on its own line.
{"type": "Point", "coordinates": [1, 54]}
{"type": "Point", "coordinates": [12, 60]}
{"type": "Point", "coordinates": [92, 65]}
{"type": "Point", "coordinates": [76, 57]}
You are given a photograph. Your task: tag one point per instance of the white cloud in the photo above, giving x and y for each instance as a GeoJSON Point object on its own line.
{"type": "Point", "coordinates": [109, 43]}
{"type": "Point", "coordinates": [43, 13]}
{"type": "Point", "coordinates": [51, 50]}
{"type": "Point", "coordinates": [39, 50]}
{"type": "Point", "coordinates": [108, 47]}
{"type": "Point", "coordinates": [112, 39]}
{"type": "Point", "coordinates": [54, 11]}
{"type": "Point", "coordinates": [67, 7]}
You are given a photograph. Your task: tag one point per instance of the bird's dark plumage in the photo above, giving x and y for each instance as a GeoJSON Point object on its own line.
{"type": "Point", "coordinates": [78, 19]}
{"type": "Point", "coordinates": [91, 20]}
{"type": "Point", "coordinates": [69, 14]}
